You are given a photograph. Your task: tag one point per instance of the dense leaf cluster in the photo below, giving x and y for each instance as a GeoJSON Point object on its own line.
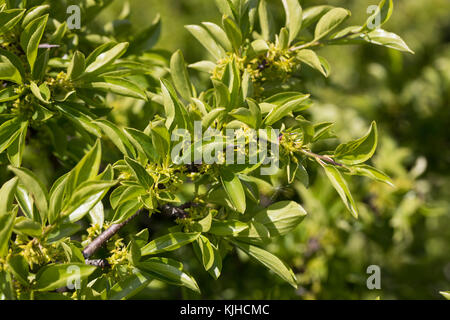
{"type": "Point", "coordinates": [54, 93]}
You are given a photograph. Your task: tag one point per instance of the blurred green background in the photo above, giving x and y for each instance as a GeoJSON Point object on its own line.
{"type": "Point", "coordinates": [406, 230]}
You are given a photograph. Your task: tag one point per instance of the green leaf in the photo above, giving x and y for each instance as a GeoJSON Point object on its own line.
{"type": "Point", "coordinates": [233, 32]}
{"type": "Point", "coordinates": [294, 103]}
{"type": "Point", "coordinates": [35, 187]}
{"type": "Point", "coordinates": [106, 58]}
{"type": "Point", "coordinates": [270, 261]}
{"type": "Point", "coordinates": [56, 276]}
{"type": "Point", "coordinates": [386, 39]}
{"type": "Point", "coordinates": [130, 286]}
{"type": "Point", "coordinates": [372, 173]}
{"type": "Point", "coordinates": [219, 35]}
{"type": "Point", "coordinates": [209, 255]}
{"type": "Point", "coordinates": [77, 65]}
{"type": "Point", "coordinates": [140, 173]}
{"type": "Point", "coordinates": [19, 267]}
{"type": "Point", "coordinates": [63, 231]}
{"type": "Point", "coordinates": [180, 75]}
{"type": "Point", "coordinates": [7, 214]}
{"type": "Point", "coordinates": [224, 7]}
{"type": "Point", "coordinates": [169, 271]}
{"type": "Point", "coordinates": [313, 14]}
{"type": "Point", "coordinates": [226, 228]}
{"type": "Point", "coordinates": [31, 37]}
{"type": "Point", "coordinates": [57, 198]}
{"type": "Point", "coordinates": [169, 242]}
{"type": "Point", "coordinates": [339, 183]}
{"type": "Point", "coordinates": [358, 151]}
{"type": "Point", "coordinates": [120, 86]}
{"type": "Point", "coordinates": [34, 13]}
{"type": "Point", "coordinates": [42, 92]}
{"type": "Point", "coordinates": [85, 197]}
{"type": "Point", "coordinates": [9, 18]}
{"type": "Point", "coordinates": [117, 137]}
{"type": "Point", "coordinates": [330, 21]}
{"type": "Point", "coordinates": [175, 111]}
{"type": "Point", "coordinates": [266, 21]}
{"type": "Point", "coordinates": [97, 215]}
{"type": "Point", "coordinates": [41, 65]}
{"type": "Point", "coordinates": [27, 227]}
{"type": "Point", "coordinates": [143, 143]}
{"type": "Point", "coordinates": [233, 188]}
{"type": "Point", "coordinates": [203, 66]}
{"type": "Point", "coordinates": [86, 169]}
{"type": "Point", "coordinates": [209, 119]}
{"type": "Point", "coordinates": [445, 294]}
{"type": "Point", "coordinates": [281, 218]}
{"type": "Point", "coordinates": [9, 131]}
{"type": "Point", "coordinates": [294, 12]}
{"type": "Point", "coordinates": [257, 48]}
{"type": "Point", "coordinates": [126, 210]}
{"type": "Point", "coordinates": [207, 41]}
{"type": "Point", "coordinates": [203, 225]}
{"type": "Point", "coordinates": [8, 68]}
{"type": "Point", "coordinates": [310, 58]}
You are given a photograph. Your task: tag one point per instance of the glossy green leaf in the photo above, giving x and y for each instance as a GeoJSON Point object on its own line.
{"type": "Point", "coordinates": [9, 131]}
{"type": "Point", "coordinates": [266, 21]}
{"type": "Point", "coordinates": [339, 183]}
{"type": "Point", "coordinates": [7, 214]}
{"type": "Point", "coordinates": [180, 75]}
{"type": "Point", "coordinates": [372, 173]}
{"type": "Point", "coordinates": [169, 242]}
{"type": "Point", "coordinates": [219, 35]}
{"type": "Point", "coordinates": [9, 18]}
{"type": "Point", "coordinates": [295, 103]}
{"type": "Point", "coordinates": [27, 227]}
{"type": "Point", "coordinates": [233, 32]}
{"type": "Point", "coordinates": [233, 188]}
{"type": "Point", "coordinates": [19, 267]}
{"type": "Point", "coordinates": [228, 227]}
{"type": "Point", "coordinates": [31, 37]}
{"type": "Point", "coordinates": [117, 137]}
{"type": "Point", "coordinates": [169, 271]}
{"type": "Point", "coordinates": [130, 286]}
{"type": "Point", "coordinates": [140, 173]}
{"type": "Point", "coordinates": [387, 39]}
{"type": "Point", "coordinates": [270, 261]}
{"type": "Point", "coordinates": [360, 150]}
{"type": "Point", "coordinates": [207, 41]}
{"type": "Point", "coordinates": [209, 255]}
{"type": "Point", "coordinates": [330, 21]}
{"type": "Point", "coordinates": [31, 183]}
{"type": "Point", "coordinates": [77, 65]}
{"type": "Point", "coordinates": [293, 12]}
{"type": "Point", "coordinates": [56, 276]}
{"type": "Point", "coordinates": [310, 58]}
{"type": "Point", "coordinates": [281, 218]}
{"type": "Point", "coordinates": [86, 169]}
{"type": "Point", "coordinates": [106, 58]}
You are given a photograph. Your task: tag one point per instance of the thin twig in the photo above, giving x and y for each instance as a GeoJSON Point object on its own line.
{"type": "Point", "coordinates": [106, 235]}
{"type": "Point", "coordinates": [324, 158]}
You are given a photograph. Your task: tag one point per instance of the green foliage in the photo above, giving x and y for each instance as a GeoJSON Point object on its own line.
{"type": "Point", "coordinates": [74, 102]}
